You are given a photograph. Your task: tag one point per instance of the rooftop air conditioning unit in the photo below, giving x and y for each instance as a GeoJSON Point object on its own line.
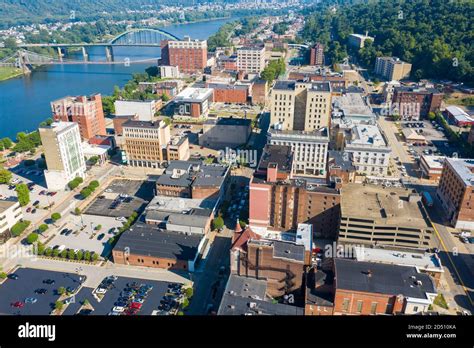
{"type": "Point", "coordinates": [253, 305]}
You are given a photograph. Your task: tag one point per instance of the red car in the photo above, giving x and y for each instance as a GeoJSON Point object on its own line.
{"type": "Point", "coordinates": [28, 210]}
{"type": "Point", "coordinates": [53, 194]}
{"type": "Point", "coordinates": [135, 305]}
{"type": "Point", "coordinates": [131, 312]}
{"type": "Point", "coordinates": [18, 304]}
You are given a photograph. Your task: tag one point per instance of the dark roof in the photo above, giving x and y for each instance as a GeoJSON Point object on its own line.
{"type": "Point", "coordinates": [289, 85]}
{"type": "Point", "coordinates": [337, 158]}
{"type": "Point", "coordinates": [197, 174]}
{"type": "Point", "coordinates": [147, 240]}
{"type": "Point", "coordinates": [227, 86]}
{"type": "Point", "coordinates": [417, 89]}
{"type": "Point", "coordinates": [382, 278]}
{"type": "Point", "coordinates": [141, 124]}
{"type": "Point", "coordinates": [288, 250]}
{"type": "Point", "coordinates": [229, 121]}
{"type": "Point", "coordinates": [245, 296]}
{"type": "Point", "coordinates": [280, 154]}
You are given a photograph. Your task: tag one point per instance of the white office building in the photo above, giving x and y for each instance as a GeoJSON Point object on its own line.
{"type": "Point", "coordinates": [10, 214]}
{"type": "Point", "coordinates": [145, 110]}
{"type": "Point", "coordinates": [368, 149]}
{"type": "Point", "coordinates": [63, 154]}
{"type": "Point", "coordinates": [251, 59]}
{"type": "Point", "coordinates": [310, 149]}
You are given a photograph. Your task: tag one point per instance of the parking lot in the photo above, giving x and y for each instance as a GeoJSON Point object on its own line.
{"type": "Point", "coordinates": [115, 297]}
{"type": "Point", "coordinates": [41, 200]}
{"type": "Point", "coordinates": [85, 234]}
{"type": "Point", "coordinates": [437, 143]}
{"type": "Point", "coordinates": [121, 198]}
{"type": "Point", "coordinates": [29, 280]}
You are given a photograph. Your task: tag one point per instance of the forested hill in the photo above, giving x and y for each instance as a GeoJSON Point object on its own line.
{"type": "Point", "coordinates": [436, 36]}
{"type": "Point", "coordinates": [15, 12]}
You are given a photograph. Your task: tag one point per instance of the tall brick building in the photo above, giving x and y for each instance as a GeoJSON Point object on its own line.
{"type": "Point", "coordinates": [455, 190]}
{"type": "Point", "coordinates": [415, 102]}
{"type": "Point", "coordinates": [316, 56]}
{"type": "Point", "coordinates": [87, 112]}
{"type": "Point", "coordinates": [280, 202]}
{"type": "Point", "coordinates": [189, 55]}
{"type": "Point", "coordinates": [280, 263]}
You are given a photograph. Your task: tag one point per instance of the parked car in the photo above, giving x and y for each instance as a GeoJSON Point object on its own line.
{"type": "Point", "coordinates": [118, 309]}
{"type": "Point", "coordinates": [101, 236]}
{"type": "Point", "coordinates": [41, 291]}
{"type": "Point", "coordinates": [18, 304]}
{"type": "Point", "coordinates": [49, 281]}
{"type": "Point", "coordinates": [13, 276]}
{"type": "Point", "coordinates": [31, 300]}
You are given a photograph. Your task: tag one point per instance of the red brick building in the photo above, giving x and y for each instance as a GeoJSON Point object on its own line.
{"type": "Point", "coordinates": [414, 102]}
{"type": "Point", "coordinates": [316, 56]}
{"type": "Point", "coordinates": [280, 263]}
{"type": "Point", "coordinates": [189, 55]}
{"type": "Point", "coordinates": [279, 202]}
{"type": "Point", "coordinates": [226, 93]}
{"type": "Point", "coordinates": [259, 92]}
{"type": "Point", "coordinates": [367, 288]}
{"type": "Point", "coordinates": [87, 112]}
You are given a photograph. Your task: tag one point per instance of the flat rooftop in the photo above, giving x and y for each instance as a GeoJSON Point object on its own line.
{"type": "Point", "coordinates": [229, 121]}
{"type": "Point", "coordinates": [464, 169]}
{"type": "Point", "coordinates": [192, 94]}
{"type": "Point", "coordinates": [352, 105]}
{"type": "Point", "coordinates": [422, 261]}
{"type": "Point", "coordinates": [246, 296]}
{"type": "Point", "coordinates": [365, 135]}
{"type": "Point", "coordinates": [59, 127]}
{"type": "Point", "coordinates": [313, 86]}
{"type": "Point", "coordinates": [143, 124]}
{"type": "Point", "coordinates": [390, 206]}
{"type": "Point", "coordinates": [434, 162]}
{"type": "Point", "coordinates": [380, 278]}
{"type": "Point", "coordinates": [279, 154]}
{"type": "Point", "coordinates": [148, 240]}
{"type": "Point", "coordinates": [6, 204]}
{"type": "Point", "coordinates": [193, 173]}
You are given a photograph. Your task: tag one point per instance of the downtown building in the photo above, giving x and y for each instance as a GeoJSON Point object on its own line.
{"type": "Point", "coordinates": [251, 59]}
{"type": "Point", "coordinates": [144, 142]}
{"type": "Point", "coordinates": [63, 153]}
{"type": "Point", "coordinates": [415, 102]}
{"type": "Point", "coordinates": [279, 202]}
{"type": "Point", "coordinates": [392, 68]}
{"type": "Point", "coordinates": [455, 191]}
{"type": "Point", "coordinates": [190, 56]}
{"type": "Point", "coordinates": [10, 214]}
{"type": "Point", "coordinates": [316, 54]}
{"type": "Point", "coordinates": [300, 118]}
{"type": "Point", "coordinates": [87, 112]}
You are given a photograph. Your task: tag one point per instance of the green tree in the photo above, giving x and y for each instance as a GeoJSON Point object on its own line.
{"type": "Point", "coordinates": [63, 254]}
{"type": "Point", "coordinates": [18, 228]}
{"type": "Point", "coordinates": [86, 192]}
{"type": "Point", "coordinates": [189, 292]}
{"type": "Point", "coordinates": [87, 256]}
{"type": "Point", "coordinates": [61, 290]}
{"type": "Point", "coordinates": [98, 227]}
{"type": "Point", "coordinates": [55, 217]}
{"type": "Point", "coordinates": [185, 303]}
{"type": "Point", "coordinates": [217, 223]}
{"type": "Point", "coordinates": [48, 252]}
{"type": "Point", "coordinates": [165, 98]}
{"type": "Point", "coordinates": [71, 255]}
{"type": "Point", "coordinates": [77, 211]}
{"type": "Point", "coordinates": [79, 255]}
{"type": "Point", "coordinates": [5, 176]}
{"type": "Point", "coordinates": [32, 237]}
{"type": "Point", "coordinates": [58, 305]}
{"type": "Point", "coordinates": [94, 257]}
{"type": "Point", "coordinates": [40, 248]}
{"type": "Point", "coordinates": [23, 194]}
{"type": "Point", "coordinates": [42, 228]}
{"type": "Point", "coordinates": [93, 160]}
{"type": "Point", "coordinates": [7, 143]}
{"type": "Point", "coordinates": [94, 184]}
{"type": "Point", "coordinates": [55, 252]}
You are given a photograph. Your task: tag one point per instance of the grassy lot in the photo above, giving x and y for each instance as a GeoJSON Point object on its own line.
{"type": "Point", "coordinates": [441, 301]}
{"type": "Point", "coordinates": [8, 72]}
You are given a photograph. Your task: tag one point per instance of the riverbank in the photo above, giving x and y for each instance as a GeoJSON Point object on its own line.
{"type": "Point", "coordinates": [7, 73]}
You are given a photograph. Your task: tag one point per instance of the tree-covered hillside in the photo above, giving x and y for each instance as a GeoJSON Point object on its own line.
{"type": "Point", "coordinates": [436, 36]}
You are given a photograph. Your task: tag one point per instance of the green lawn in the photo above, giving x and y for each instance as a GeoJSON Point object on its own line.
{"type": "Point", "coordinates": [7, 73]}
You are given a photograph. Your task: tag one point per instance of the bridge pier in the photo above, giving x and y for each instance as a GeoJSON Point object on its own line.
{"type": "Point", "coordinates": [109, 53]}
{"type": "Point", "coordinates": [85, 55]}
{"type": "Point", "coordinates": [60, 54]}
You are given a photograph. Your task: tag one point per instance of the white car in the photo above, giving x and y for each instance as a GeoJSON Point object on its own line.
{"type": "Point", "coordinates": [465, 234]}
{"type": "Point", "coordinates": [121, 219]}
{"type": "Point", "coordinates": [100, 291]}
{"type": "Point", "coordinates": [118, 309]}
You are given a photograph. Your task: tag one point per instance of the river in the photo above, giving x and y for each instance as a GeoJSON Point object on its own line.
{"type": "Point", "coordinates": [25, 101]}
